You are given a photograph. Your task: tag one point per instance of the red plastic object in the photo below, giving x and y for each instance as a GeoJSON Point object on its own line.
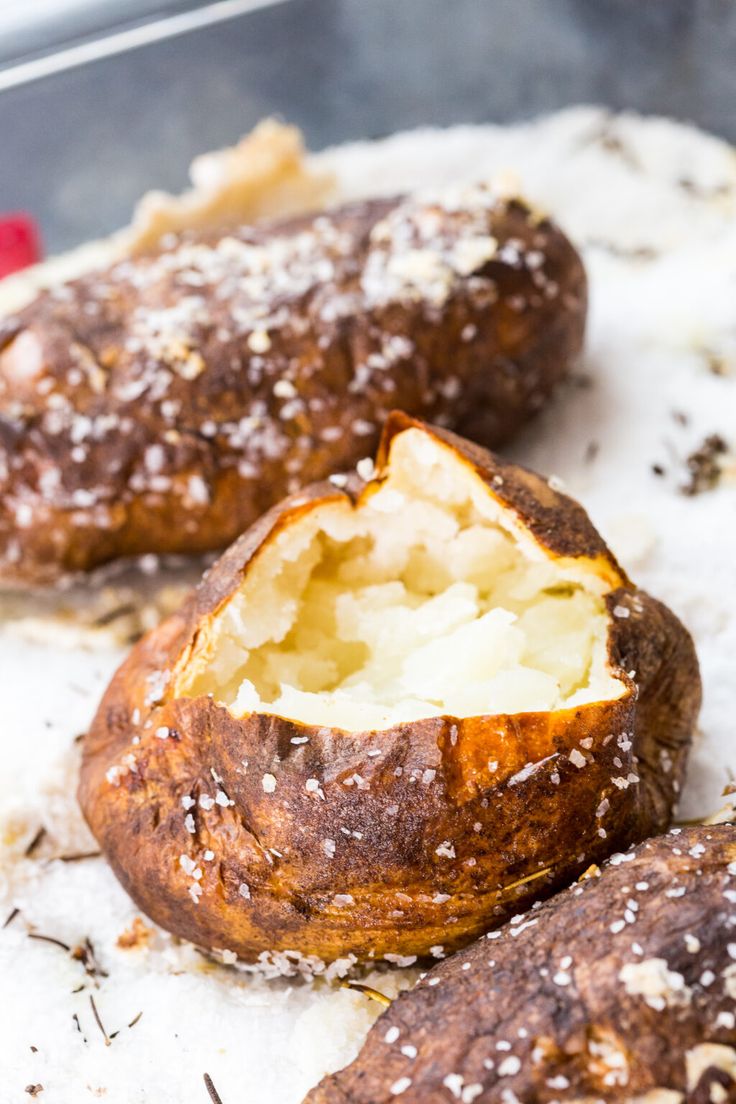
{"type": "Point", "coordinates": [20, 243]}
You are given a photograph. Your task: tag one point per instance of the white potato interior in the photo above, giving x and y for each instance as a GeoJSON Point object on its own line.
{"type": "Point", "coordinates": [426, 599]}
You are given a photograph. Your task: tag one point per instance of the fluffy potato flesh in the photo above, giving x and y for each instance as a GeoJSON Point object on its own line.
{"type": "Point", "coordinates": [425, 598]}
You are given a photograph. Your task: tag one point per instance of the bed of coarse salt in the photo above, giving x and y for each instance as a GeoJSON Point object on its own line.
{"type": "Point", "coordinates": [652, 206]}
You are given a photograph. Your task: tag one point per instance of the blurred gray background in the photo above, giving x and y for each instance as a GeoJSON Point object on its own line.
{"type": "Point", "coordinates": [77, 148]}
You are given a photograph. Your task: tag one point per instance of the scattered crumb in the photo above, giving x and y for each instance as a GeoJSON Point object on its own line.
{"type": "Point", "coordinates": [136, 936]}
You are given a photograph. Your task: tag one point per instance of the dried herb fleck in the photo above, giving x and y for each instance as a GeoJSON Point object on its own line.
{"type": "Point", "coordinates": [214, 1095]}
{"type": "Point", "coordinates": [85, 953]}
{"type": "Point", "coordinates": [75, 1017]}
{"type": "Point", "coordinates": [704, 466]}
{"type": "Point", "coordinates": [78, 857]}
{"type": "Point", "coordinates": [368, 991]}
{"type": "Point", "coordinates": [50, 939]}
{"type": "Point", "coordinates": [98, 1021]}
{"type": "Point", "coordinates": [33, 845]}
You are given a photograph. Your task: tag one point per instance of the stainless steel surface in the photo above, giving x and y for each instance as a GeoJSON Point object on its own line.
{"type": "Point", "coordinates": [31, 29]}
{"type": "Point", "coordinates": [59, 35]}
{"type": "Point", "coordinates": [79, 146]}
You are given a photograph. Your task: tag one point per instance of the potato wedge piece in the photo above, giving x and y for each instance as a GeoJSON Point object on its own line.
{"type": "Point", "coordinates": [162, 404]}
{"type": "Point", "coordinates": [358, 737]}
{"type": "Point", "coordinates": [622, 988]}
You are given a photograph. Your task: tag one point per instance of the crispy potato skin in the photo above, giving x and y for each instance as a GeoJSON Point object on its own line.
{"type": "Point", "coordinates": [427, 833]}
{"type": "Point", "coordinates": [162, 405]}
{"type": "Point", "coordinates": [555, 1009]}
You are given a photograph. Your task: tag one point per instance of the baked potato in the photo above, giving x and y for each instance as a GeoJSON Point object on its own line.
{"type": "Point", "coordinates": [394, 713]}
{"type": "Point", "coordinates": [161, 405]}
{"type": "Point", "coordinates": [622, 988]}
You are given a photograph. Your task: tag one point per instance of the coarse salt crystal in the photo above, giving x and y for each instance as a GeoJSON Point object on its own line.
{"type": "Point", "coordinates": [365, 468]}
{"type": "Point", "coordinates": [400, 1086]}
{"type": "Point", "coordinates": [284, 389]}
{"type": "Point", "coordinates": [259, 341]}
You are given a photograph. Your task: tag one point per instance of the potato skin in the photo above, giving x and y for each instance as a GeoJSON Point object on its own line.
{"type": "Point", "coordinates": [427, 834]}
{"type": "Point", "coordinates": [569, 1003]}
{"type": "Point", "coordinates": [163, 404]}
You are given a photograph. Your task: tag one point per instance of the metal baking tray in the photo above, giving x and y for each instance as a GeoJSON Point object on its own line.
{"type": "Point", "coordinates": [101, 101]}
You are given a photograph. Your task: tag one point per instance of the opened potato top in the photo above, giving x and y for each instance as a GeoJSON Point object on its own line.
{"type": "Point", "coordinates": [425, 598]}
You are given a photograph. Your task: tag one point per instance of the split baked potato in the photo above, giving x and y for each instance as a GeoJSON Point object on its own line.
{"type": "Point", "coordinates": [161, 405]}
{"type": "Point", "coordinates": [393, 714]}
{"type": "Point", "coordinates": [622, 988]}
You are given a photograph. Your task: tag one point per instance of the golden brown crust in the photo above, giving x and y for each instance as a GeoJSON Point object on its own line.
{"type": "Point", "coordinates": [622, 985]}
{"type": "Point", "coordinates": [558, 522]}
{"type": "Point", "coordinates": [649, 643]}
{"type": "Point", "coordinates": [163, 404]}
{"type": "Point", "coordinates": [392, 842]}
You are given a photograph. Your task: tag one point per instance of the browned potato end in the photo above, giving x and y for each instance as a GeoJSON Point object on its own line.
{"type": "Point", "coordinates": [622, 988]}
{"type": "Point", "coordinates": [393, 714]}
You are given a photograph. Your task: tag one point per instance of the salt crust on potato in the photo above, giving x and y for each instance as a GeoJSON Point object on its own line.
{"type": "Point", "coordinates": [622, 988]}
{"type": "Point", "coordinates": [393, 714]}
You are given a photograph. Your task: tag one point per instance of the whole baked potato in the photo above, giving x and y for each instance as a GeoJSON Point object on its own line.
{"type": "Point", "coordinates": [161, 405]}
{"type": "Point", "coordinates": [622, 988]}
{"type": "Point", "coordinates": [393, 714]}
